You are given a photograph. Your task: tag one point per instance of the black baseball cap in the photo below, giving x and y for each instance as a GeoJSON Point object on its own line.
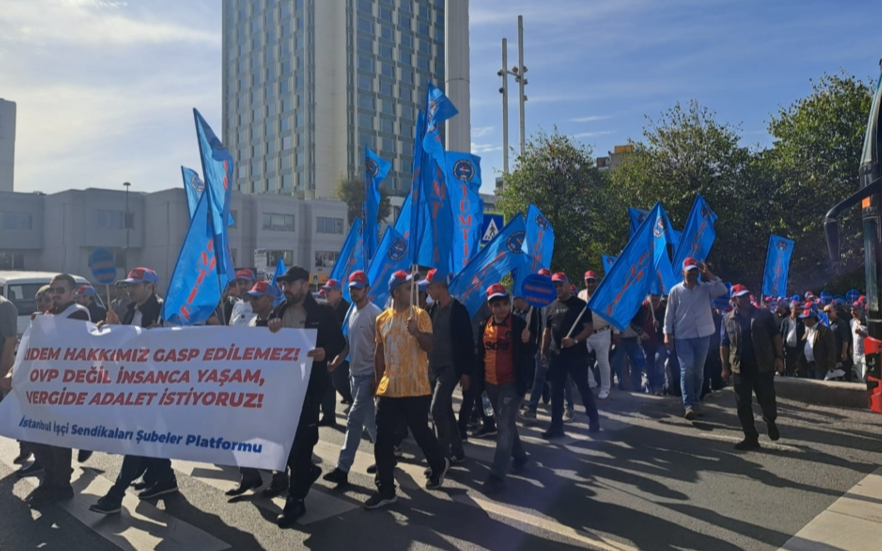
{"type": "Point", "coordinates": [294, 273]}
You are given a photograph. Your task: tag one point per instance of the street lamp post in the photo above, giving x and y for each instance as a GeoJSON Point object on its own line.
{"type": "Point", "coordinates": [519, 73]}
{"type": "Point", "coordinates": [126, 223]}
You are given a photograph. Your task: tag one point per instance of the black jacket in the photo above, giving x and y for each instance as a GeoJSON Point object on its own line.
{"type": "Point", "coordinates": [523, 354]}
{"type": "Point", "coordinates": [800, 331]}
{"type": "Point", "coordinates": [150, 312]}
{"type": "Point", "coordinates": [460, 335]}
{"type": "Point", "coordinates": [328, 336]}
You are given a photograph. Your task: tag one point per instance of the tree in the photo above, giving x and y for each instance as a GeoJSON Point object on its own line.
{"type": "Point", "coordinates": [558, 175]}
{"type": "Point", "coordinates": [817, 149]}
{"type": "Point", "coordinates": [351, 192]}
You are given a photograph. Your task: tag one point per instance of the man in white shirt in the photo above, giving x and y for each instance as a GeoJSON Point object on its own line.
{"type": "Point", "coordinates": [601, 340]}
{"type": "Point", "coordinates": [690, 322]}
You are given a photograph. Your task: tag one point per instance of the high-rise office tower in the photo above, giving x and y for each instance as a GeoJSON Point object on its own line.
{"type": "Point", "coordinates": [7, 145]}
{"type": "Point", "coordinates": [307, 84]}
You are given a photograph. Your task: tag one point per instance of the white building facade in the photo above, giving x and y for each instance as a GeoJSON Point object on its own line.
{"type": "Point", "coordinates": [7, 145]}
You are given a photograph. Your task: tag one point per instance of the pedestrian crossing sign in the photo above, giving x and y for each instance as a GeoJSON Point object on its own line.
{"type": "Point", "coordinates": [493, 222]}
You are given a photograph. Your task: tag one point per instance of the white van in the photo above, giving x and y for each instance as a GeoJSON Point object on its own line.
{"type": "Point", "coordinates": [21, 288]}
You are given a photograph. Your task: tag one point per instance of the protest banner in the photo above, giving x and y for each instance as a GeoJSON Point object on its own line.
{"type": "Point", "coordinates": [222, 395]}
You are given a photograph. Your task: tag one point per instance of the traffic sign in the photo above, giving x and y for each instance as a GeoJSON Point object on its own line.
{"type": "Point", "coordinates": [103, 266]}
{"type": "Point", "coordinates": [493, 222]}
{"type": "Point", "coordinates": [538, 290]}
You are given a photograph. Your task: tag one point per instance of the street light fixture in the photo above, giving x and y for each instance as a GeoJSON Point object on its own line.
{"type": "Point", "coordinates": [519, 73]}
{"type": "Point", "coordinates": [127, 225]}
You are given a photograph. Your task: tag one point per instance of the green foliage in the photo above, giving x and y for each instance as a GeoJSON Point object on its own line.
{"type": "Point", "coordinates": [352, 193]}
{"type": "Point", "coordinates": [558, 175]}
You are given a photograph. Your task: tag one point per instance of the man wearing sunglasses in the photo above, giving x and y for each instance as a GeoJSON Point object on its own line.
{"type": "Point", "coordinates": [54, 460]}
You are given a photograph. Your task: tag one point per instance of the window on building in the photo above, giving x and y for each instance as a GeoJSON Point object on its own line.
{"type": "Point", "coordinates": [278, 222]}
{"type": "Point", "coordinates": [365, 63]}
{"type": "Point", "coordinates": [365, 6]}
{"type": "Point", "coordinates": [387, 33]}
{"type": "Point", "coordinates": [16, 221]}
{"type": "Point", "coordinates": [272, 258]}
{"type": "Point", "coordinates": [365, 82]}
{"type": "Point", "coordinates": [366, 101]}
{"type": "Point", "coordinates": [386, 14]}
{"type": "Point", "coordinates": [110, 219]}
{"type": "Point", "coordinates": [14, 261]}
{"type": "Point", "coordinates": [404, 20]}
{"type": "Point", "coordinates": [386, 51]}
{"type": "Point", "coordinates": [325, 259]}
{"type": "Point", "coordinates": [387, 88]}
{"type": "Point", "coordinates": [328, 225]}
{"type": "Point", "coordinates": [365, 25]}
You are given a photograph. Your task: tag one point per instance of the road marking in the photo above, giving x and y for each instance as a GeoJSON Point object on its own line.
{"type": "Point", "coordinates": [851, 522]}
{"type": "Point", "coordinates": [140, 526]}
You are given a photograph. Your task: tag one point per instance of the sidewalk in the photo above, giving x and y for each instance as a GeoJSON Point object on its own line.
{"type": "Point", "coordinates": [828, 393]}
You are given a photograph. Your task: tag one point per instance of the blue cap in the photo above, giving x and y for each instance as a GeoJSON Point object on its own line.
{"type": "Point", "coordinates": [423, 286]}
{"type": "Point", "coordinates": [398, 278]}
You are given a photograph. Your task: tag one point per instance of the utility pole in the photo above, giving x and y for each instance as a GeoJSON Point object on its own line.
{"type": "Point", "coordinates": [519, 73]}
{"type": "Point", "coordinates": [504, 91]}
{"type": "Point", "coordinates": [126, 223]}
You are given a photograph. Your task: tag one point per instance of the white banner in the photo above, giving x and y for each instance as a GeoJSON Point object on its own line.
{"type": "Point", "coordinates": [223, 395]}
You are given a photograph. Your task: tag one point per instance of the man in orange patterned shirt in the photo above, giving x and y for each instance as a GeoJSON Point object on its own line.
{"type": "Point", "coordinates": [404, 339]}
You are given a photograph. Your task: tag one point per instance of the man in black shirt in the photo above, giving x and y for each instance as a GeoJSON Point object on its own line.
{"type": "Point", "coordinates": [339, 376]}
{"type": "Point", "coordinates": [842, 333]}
{"type": "Point", "coordinates": [568, 325]}
{"type": "Point", "coordinates": [751, 352]}
{"type": "Point", "coordinates": [87, 296]}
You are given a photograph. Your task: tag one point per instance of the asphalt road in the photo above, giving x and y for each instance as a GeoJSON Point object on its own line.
{"type": "Point", "coordinates": [650, 480]}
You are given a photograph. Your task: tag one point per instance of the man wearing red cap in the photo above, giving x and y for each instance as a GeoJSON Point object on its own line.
{"type": "Point", "coordinates": [451, 360]}
{"type": "Point", "coordinates": [568, 324]}
{"type": "Point", "coordinates": [361, 346]}
{"type": "Point", "coordinates": [751, 353]}
{"type": "Point", "coordinates": [404, 339]}
{"type": "Point", "coordinates": [86, 296]}
{"type": "Point", "coordinates": [504, 357]}
{"type": "Point", "coordinates": [601, 340]}
{"type": "Point", "coordinates": [689, 322]}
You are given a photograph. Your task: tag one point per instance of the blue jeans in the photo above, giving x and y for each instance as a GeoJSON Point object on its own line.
{"type": "Point", "coordinates": [362, 415]}
{"type": "Point", "coordinates": [539, 383]}
{"type": "Point", "coordinates": [657, 358]}
{"type": "Point", "coordinates": [505, 402]}
{"type": "Point", "coordinates": [692, 354]}
{"type": "Point", "coordinates": [630, 351]}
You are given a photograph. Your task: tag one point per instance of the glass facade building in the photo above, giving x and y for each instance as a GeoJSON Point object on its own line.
{"type": "Point", "coordinates": [307, 84]}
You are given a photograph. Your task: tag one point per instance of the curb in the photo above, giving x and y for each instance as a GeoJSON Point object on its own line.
{"type": "Point", "coordinates": [827, 393]}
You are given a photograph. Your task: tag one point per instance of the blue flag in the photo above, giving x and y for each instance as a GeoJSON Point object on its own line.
{"type": "Point", "coordinates": [637, 216]}
{"type": "Point", "coordinates": [375, 172]}
{"type": "Point", "coordinates": [626, 284]}
{"type": "Point", "coordinates": [194, 289]}
{"type": "Point", "coordinates": [777, 266]}
{"type": "Point", "coordinates": [438, 218]}
{"type": "Point", "coordinates": [502, 255]}
{"type": "Point", "coordinates": [464, 183]}
{"type": "Point", "coordinates": [439, 108]}
{"type": "Point", "coordinates": [217, 166]}
{"type": "Point", "coordinates": [698, 236]}
{"type": "Point", "coordinates": [608, 262]}
{"type": "Point", "coordinates": [417, 197]}
{"type": "Point", "coordinates": [402, 224]}
{"type": "Point", "coordinates": [391, 256]}
{"type": "Point", "coordinates": [350, 258]}
{"type": "Point", "coordinates": [194, 186]}
{"type": "Point", "coordinates": [280, 270]}
{"type": "Point", "coordinates": [538, 246]}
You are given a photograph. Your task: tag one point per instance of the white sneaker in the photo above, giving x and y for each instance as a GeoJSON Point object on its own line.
{"type": "Point", "coordinates": [603, 395]}
{"type": "Point", "coordinates": [835, 374]}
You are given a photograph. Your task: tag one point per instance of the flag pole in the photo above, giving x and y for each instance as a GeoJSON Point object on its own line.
{"type": "Point", "coordinates": [582, 313]}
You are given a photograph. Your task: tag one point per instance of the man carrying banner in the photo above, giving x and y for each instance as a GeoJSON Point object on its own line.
{"type": "Point", "coordinates": [143, 311]}
{"type": "Point", "coordinates": [339, 375]}
{"type": "Point", "coordinates": [504, 357]}
{"type": "Point", "coordinates": [568, 324]}
{"type": "Point", "coordinates": [300, 310]}
{"type": "Point", "coordinates": [601, 340]}
{"type": "Point", "coordinates": [689, 321]}
{"type": "Point", "coordinates": [404, 339]}
{"type": "Point", "coordinates": [262, 297]}
{"type": "Point", "coordinates": [751, 353]}
{"type": "Point", "coordinates": [360, 347]}
{"type": "Point", "coordinates": [451, 361]}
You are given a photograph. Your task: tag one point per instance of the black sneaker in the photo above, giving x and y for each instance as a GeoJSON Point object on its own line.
{"type": "Point", "coordinates": [551, 434]}
{"type": "Point", "coordinates": [244, 485]}
{"type": "Point", "coordinates": [527, 414]}
{"type": "Point", "coordinates": [463, 435]}
{"type": "Point", "coordinates": [277, 487]}
{"type": "Point", "coordinates": [83, 455]}
{"type": "Point", "coordinates": [493, 485]}
{"type": "Point", "coordinates": [457, 458]}
{"type": "Point", "coordinates": [379, 500]}
{"type": "Point", "coordinates": [397, 451]}
{"type": "Point", "coordinates": [436, 479]}
{"type": "Point", "coordinates": [106, 506]}
{"type": "Point", "coordinates": [594, 425]}
{"type": "Point", "coordinates": [518, 464]}
{"type": "Point", "coordinates": [22, 457]}
{"type": "Point", "coordinates": [50, 495]}
{"type": "Point", "coordinates": [773, 430]}
{"type": "Point", "coordinates": [294, 509]}
{"type": "Point", "coordinates": [372, 469]}
{"type": "Point", "coordinates": [327, 421]}
{"type": "Point", "coordinates": [690, 414]}
{"type": "Point", "coordinates": [748, 444]}
{"type": "Point", "coordinates": [485, 432]}
{"type": "Point", "coordinates": [160, 489]}
{"type": "Point", "coordinates": [34, 469]}
{"type": "Point", "coordinates": [337, 477]}
{"type": "Point", "coordinates": [140, 486]}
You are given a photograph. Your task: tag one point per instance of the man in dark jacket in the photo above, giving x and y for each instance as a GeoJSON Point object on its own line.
{"type": "Point", "coordinates": [143, 311]}
{"type": "Point", "coordinates": [339, 377]}
{"type": "Point", "coordinates": [451, 361]}
{"type": "Point", "coordinates": [300, 310]}
{"type": "Point", "coordinates": [792, 331]}
{"type": "Point", "coordinates": [817, 355]}
{"type": "Point", "coordinates": [504, 358]}
{"type": "Point", "coordinates": [88, 297]}
{"type": "Point", "coordinates": [751, 353]}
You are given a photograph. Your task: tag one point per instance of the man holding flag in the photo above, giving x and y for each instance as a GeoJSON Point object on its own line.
{"type": "Point", "coordinates": [689, 323]}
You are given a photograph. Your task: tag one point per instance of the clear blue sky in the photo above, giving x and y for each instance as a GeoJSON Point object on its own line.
{"type": "Point", "coordinates": [104, 88]}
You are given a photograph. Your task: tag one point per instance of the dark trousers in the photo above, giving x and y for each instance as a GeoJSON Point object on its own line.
{"type": "Point", "coordinates": [154, 469]}
{"type": "Point", "coordinates": [471, 398]}
{"type": "Point", "coordinates": [340, 380]}
{"type": "Point", "coordinates": [575, 367]}
{"type": "Point", "coordinates": [56, 461]}
{"type": "Point", "coordinates": [415, 411]}
{"type": "Point", "coordinates": [329, 399]}
{"type": "Point", "coordinates": [791, 354]}
{"type": "Point", "coordinates": [746, 384]}
{"type": "Point", "coordinates": [303, 471]}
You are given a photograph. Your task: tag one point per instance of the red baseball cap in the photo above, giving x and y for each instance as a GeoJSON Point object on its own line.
{"type": "Point", "coordinates": [433, 276]}
{"type": "Point", "coordinates": [690, 264]}
{"type": "Point", "coordinates": [398, 278]}
{"type": "Point", "coordinates": [560, 276]}
{"type": "Point", "coordinates": [739, 290]}
{"type": "Point", "coordinates": [496, 290]}
{"type": "Point", "coordinates": [545, 272]}
{"type": "Point", "coordinates": [263, 288]}
{"type": "Point", "coordinates": [246, 274]}
{"type": "Point", "coordinates": [332, 284]}
{"type": "Point", "coordinates": [358, 279]}
{"type": "Point", "coordinates": [590, 274]}
{"type": "Point", "coordinates": [86, 291]}
{"type": "Point", "coordinates": [137, 275]}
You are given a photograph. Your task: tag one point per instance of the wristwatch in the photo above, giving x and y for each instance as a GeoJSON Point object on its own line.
{"type": "Point", "coordinates": [576, 341]}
